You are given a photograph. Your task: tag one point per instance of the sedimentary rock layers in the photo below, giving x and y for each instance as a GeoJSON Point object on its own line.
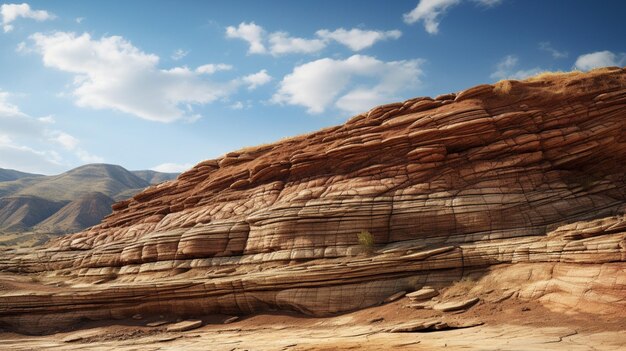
{"type": "Point", "coordinates": [521, 172]}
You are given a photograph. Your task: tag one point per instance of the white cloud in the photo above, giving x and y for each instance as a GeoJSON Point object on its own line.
{"type": "Point", "coordinates": [79, 20]}
{"type": "Point", "coordinates": [599, 59]}
{"type": "Point", "coordinates": [357, 39]}
{"type": "Point", "coordinates": [179, 54]}
{"type": "Point", "coordinates": [27, 143]}
{"type": "Point", "coordinates": [488, 3]}
{"type": "Point", "coordinates": [21, 47]}
{"type": "Point", "coordinates": [361, 100]}
{"type": "Point", "coordinates": [321, 83]}
{"type": "Point", "coordinates": [47, 119]}
{"type": "Point", "coordinates": [11, 12]}
{"type": "Point", "coordinates": [282, 43]}
{"type": "Point", "coordinates": [27, 159]}
{"type": "Point", "coordinates": [547, 47]}
{"type": "Point", "coordinates": [507, 69]}
{"type": "Point", "coordinates": [87, 157]}
{"type": "Point", "coordinates": [249, 32]}
{"type": "Point", "coordinates": [172, 167]}
{"type": "Point", "coordinates": [237, 105]}
{"type": "Point", "coordinates": [257, 79]}
{"type": "Point", "coordinates": [70, 143]}
{"type": "Point", "coordinates": [7, 108]}
{"type": "Point", "coordinates": [67, 141]}
{"type": "Point", "coordinates": [212, 68]}
{"type": "Point", "coordinates": [111, 73]}
{"type": "Point", "coordinates": [429, 11]}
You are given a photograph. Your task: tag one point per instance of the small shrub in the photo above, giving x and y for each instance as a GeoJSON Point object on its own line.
{"type": "Point", "coordinates": [366, 241]}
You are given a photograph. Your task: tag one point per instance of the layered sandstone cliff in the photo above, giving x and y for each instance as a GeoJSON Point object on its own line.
{"type": "Point", "coordinates": [521, 185]}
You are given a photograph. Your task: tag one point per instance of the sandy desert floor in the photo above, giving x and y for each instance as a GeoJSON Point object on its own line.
{"type": "Point", "coordinates": [507, 325]}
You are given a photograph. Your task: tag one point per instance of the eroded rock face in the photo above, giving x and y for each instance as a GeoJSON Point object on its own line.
{"type": "Point", "coordinates": [517, 174]}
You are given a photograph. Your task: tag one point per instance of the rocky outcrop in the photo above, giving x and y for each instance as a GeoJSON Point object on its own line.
{"type": "Point", "coordinates": [522, 178]}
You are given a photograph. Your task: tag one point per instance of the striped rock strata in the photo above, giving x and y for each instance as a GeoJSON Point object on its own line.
{"type": "Point", "coordinates": [521, 183]}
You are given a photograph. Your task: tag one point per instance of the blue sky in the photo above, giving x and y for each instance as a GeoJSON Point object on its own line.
{"type": "Point", "coordinates": [165, 84]}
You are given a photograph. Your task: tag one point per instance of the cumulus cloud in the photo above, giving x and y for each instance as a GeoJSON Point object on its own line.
{"type": "Point", "coordinates": [280, 43]}
{"type": "Point", "coordinates": [249, 32]}
{"type": "Point", "coordinates": [547, 47]}
{"type": "Point", "coordinates": [430, 12]}
{"type": "Point", "coordinates": [326, 82]}
{"type": "Point", "coordinates": [19, 132]}
{"type": "Point", "coordinates": [11, 12]}
{"type": "Point", "coordinates": [111, 73]}
{"type": "Point", "coordinates": [172, 167]}
{"type": "Point", "coordinates": [599, 59]}
{"type": "Point", "coordinates": [257, 79]}
{"type": "Point", "coordinates": [507, 69]}
{"type": "Point", "coordinates": [357, 39]}
{"type": "Point", "coordinates": [212, 68]}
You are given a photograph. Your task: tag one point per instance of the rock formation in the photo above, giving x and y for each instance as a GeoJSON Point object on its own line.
{"type": "Point", "coordinates": [519, 186]}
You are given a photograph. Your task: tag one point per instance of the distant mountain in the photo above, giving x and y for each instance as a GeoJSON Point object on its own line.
{"type": "Point", "coordinates": [70, 201]}
{"type": "Point", "coordinates": [107, 179]}
{"type": "Point", "coordinates": [84, 212]}
{"type": "Point", "coordinates": [11, 174]}
{"type": "Point", "coordinates": [154, 177]}
{"type": "Point", "coordinates": [23, 212]}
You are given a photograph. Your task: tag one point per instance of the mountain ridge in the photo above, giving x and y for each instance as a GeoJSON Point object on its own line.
{"type": "Point", "coordinates": [53, 204]}
{"type": "Point", "coordinates": [12, 174]}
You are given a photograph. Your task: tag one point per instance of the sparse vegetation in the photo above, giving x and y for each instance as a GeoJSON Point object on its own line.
{"type": "Point", "coordinates": [366, 241]}
{"type": "Point", "coordinates": [502, 87]}
{"type": "Point", "coordinates": [551, 74]}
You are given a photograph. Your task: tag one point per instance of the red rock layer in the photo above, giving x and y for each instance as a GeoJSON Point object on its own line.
{"type": "Point", "coordinates": [461, 181]}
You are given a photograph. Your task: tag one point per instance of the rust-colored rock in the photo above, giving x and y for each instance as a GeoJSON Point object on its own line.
{"type": "Point", "coordinates": [524, 185]}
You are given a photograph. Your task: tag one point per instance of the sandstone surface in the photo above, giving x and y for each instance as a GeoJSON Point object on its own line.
{"type": "Point", "coordinates": [424, 293]}
{"type": "Point", "coordinates": [184, 326]}
{"type": "Point", "coordinates": [518, 188]}
{"type": "Point", "coordinates": [456, 305]}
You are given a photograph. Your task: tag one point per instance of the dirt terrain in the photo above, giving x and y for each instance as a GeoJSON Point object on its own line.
{"type": "Point", "coordinates": [507, 325]}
